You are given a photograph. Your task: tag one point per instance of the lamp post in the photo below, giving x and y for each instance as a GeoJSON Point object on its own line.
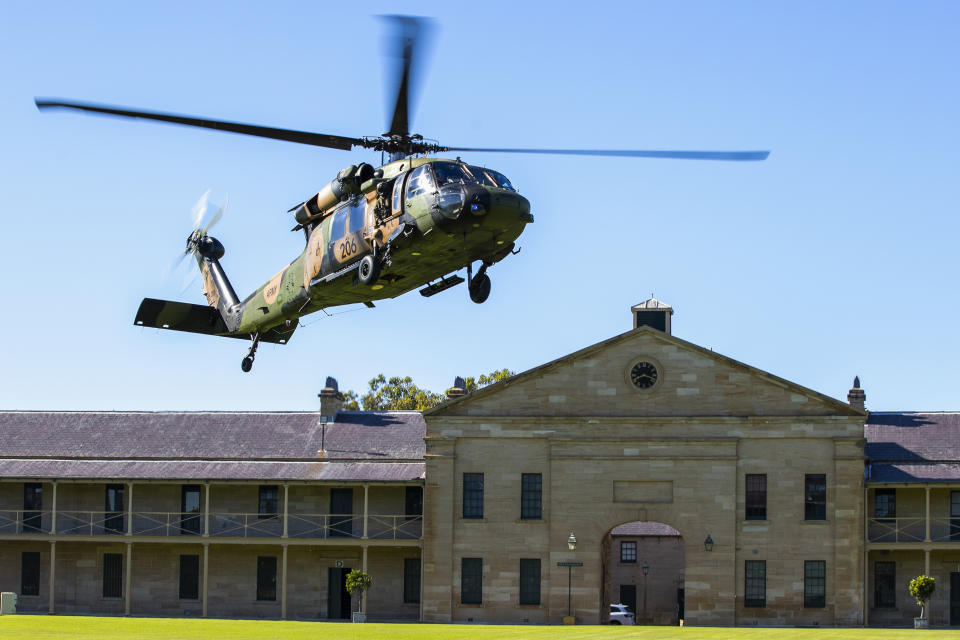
{"type": "Point", "coordinates": [572, 545]}
{"type": "Point", "coordinates": [646, 569]}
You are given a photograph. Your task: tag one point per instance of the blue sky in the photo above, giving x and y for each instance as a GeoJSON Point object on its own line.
{"type": "Point", "coordinates": [836, 257]}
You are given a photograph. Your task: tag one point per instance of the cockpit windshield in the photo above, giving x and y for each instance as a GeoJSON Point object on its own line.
{"type": "Point", "coordinates": [491, 178]}
{"type": "Point", "coordinates": [450, 172]}
{"type": "Point", "coordinates": [501, 180]}
{"type": "Point", "coordinates": [453, 172]}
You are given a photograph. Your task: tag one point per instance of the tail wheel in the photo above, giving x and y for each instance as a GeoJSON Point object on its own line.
{"type": "Point", "coordinates": [369, 270]}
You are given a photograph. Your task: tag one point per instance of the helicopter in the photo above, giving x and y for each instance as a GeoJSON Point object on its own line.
{"type": "Point", "coordinates": [372, 232]}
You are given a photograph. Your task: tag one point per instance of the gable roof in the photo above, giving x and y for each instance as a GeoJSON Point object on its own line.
{"type": "Point", "coordinates": [834, 406]}
{"type": "Point", "coordinates": [913, 436]}
{"type": "Point", "coordinates": [212, 445]}
{"type": "Point", "coordinates": [913, 446]}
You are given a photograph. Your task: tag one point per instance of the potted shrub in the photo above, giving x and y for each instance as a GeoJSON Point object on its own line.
{"type": "Point", "coordinates": [921, 590]}
{"type": "Point", "coordinates": [357, 583]}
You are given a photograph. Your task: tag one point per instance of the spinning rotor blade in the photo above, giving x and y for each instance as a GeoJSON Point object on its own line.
{"type": "Point", "coordinates": [290, 135]}
{"type": "Point", "coordinates": [408, 39]}
{"type": "Point", "coordinates": [628, 153]}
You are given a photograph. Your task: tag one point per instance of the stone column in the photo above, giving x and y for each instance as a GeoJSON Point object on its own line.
{"type": "Point", "coordinates": [129, 508]}
{"type": "Point", "coordinates": [126, 585]}
{"type": "Point", "coordinates": [286, 519]}
{"type": "Point", "coordinates": [283, 585]}
{"type": "Point", "coordinates": [206, 514]}
{"type": "Point", "coordinates": [206, 575]}
{"type": "Point", "coordinates": [53, 571]}
{"type": "Point", "coordinates": [53, 509]}
{"type": "Point", "coordinates": [366, 513]}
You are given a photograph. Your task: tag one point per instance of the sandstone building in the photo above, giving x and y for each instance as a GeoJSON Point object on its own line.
{"type": "Point", "coordinates": [643, 469]}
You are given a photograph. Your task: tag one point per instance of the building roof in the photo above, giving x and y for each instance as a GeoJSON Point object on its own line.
{"type": "Point", "coordinates": [638, 529]}
{"type": "Point", "coordinates": [361, 446]}
{"type": "Point", "coordinates": [652, 303]}
{"type": "Point", "coordinates": [913, 447]}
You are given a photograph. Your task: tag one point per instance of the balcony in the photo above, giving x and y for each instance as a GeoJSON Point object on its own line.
{"type": "Point", "coordinates": [221, 525]}
{"type": "Point", "coordinates": [913, 530]}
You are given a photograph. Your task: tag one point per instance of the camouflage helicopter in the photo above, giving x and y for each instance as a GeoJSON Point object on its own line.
{"type": "Point", "coordinates": [370, 233]}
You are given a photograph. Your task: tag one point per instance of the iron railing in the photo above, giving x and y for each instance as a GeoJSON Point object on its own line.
{"type": "Point", "coordinates": [229, 525]}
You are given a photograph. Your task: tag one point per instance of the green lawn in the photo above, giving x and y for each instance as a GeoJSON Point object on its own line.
{"type": "Point", "coordinates": [35, 627]}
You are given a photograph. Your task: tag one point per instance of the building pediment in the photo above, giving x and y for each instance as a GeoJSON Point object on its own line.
{"type": "Point", "coordinates": [644, 372]}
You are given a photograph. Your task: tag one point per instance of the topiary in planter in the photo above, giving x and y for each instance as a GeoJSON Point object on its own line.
{"type": "Point", "coordinates": [921, 590]}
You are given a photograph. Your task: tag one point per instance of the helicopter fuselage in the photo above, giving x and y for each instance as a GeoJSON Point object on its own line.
{"type": "Point", "coordinates": [423, 217]}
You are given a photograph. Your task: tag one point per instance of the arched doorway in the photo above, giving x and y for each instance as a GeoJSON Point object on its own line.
{"type": "Point", "coordinates": [643, 568]}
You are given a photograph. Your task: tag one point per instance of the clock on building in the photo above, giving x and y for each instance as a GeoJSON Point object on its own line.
{"type": "Point", "coordinates": [644, 374]}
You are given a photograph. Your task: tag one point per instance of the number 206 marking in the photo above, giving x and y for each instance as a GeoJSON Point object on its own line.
{"type": "Point", "coordinates": [347, 248]}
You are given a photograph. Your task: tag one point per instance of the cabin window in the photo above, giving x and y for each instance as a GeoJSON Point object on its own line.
{"type": "Point", "coordinates": [356, 215]}
{"type": "Point", "coordinates": [419, 182]}
{"type": "Point", "coordinates": [338, 228]}
{"type": "Point", "coordinates": [397, 194]}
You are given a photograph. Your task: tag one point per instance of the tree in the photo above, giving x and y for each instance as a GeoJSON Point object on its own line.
{"type": "Point", "coordinates": [921, 590]}
{"type": "Point", "coordinates": [399, 394]}
{"type": "Point", "coordinates": [357, 583]}
{"type": "Point", "coordinates": [487, 379]}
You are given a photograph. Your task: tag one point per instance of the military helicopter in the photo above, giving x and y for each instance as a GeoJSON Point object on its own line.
{"type": "Point", "coordinates": [371, 232]}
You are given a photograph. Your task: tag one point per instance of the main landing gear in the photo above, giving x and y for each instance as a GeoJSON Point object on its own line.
{"type": "Point", "coordinates": [370, 266]}
{"type": "Point", "coordinates": [479, 285]}
{"type": "Point", "coordinates": [247, 363]}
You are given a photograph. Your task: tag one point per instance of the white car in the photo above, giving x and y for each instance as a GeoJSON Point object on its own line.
{"type": "Point", "coordinates": [620, 614]}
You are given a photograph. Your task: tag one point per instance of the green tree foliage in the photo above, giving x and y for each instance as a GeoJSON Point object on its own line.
{"type": "Point", "coordinates": [487, 379]}
{"type": "Point", "coordinates": [357, 583]}
{"type": "Point", "coordinates": [921, 589]}
{"type": "Point", "coordinates": [399, 394]}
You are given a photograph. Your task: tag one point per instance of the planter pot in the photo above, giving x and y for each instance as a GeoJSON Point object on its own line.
{"type": "Point", "coordinates": [921, 623]}
{"type": "Point", "coordinates": [359, 617]}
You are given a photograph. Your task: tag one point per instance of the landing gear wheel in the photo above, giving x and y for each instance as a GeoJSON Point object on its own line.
{"type": "Point", "coordinates": [246, 364]}
{"type": "Point", "coordinates": [369, 270]}
{"type": "Point", "coordinates": [480, 288]}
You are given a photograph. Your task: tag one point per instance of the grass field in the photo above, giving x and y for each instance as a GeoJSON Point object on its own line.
{"type": "Point", "coordinates": [44, 627]}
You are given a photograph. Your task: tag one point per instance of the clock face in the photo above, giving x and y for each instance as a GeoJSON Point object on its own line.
{"type": "Point", "coordinates": [644, 375]}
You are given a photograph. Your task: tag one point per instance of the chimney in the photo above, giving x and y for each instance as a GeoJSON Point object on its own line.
{"type": "Point", "coordinates": [652, 313]}
{"type": "Point", "coordinates": [330, 399]}
{"type": "Point", "coordinates": [856, 396]}
{"type": "Point", "coordinates": [458, 389]}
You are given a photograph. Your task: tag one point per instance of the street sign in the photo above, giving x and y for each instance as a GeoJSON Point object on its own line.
{"type": "Point", "coordinates": [569, 564]}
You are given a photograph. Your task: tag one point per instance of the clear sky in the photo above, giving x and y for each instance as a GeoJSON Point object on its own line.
{"type": "Point", "coordinates": [836, 257]}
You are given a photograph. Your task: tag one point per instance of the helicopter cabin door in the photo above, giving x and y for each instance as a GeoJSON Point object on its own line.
{"type": "Point", "coordinates": [346, 233]}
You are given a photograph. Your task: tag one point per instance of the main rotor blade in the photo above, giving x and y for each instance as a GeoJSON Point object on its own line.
{"type": "Point", "coordinates": [630, 153]}
{"type": "Point", "coordinates": [290, 135]}
{"type": "Point", "coordinates": [409, 35]}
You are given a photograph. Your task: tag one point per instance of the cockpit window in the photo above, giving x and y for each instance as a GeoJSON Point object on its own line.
{"type": "Point", "coordinates": [501, 180]}
{"type": "Point", "coordinates": [482, 177]}
{"type": "Point", "coordinates": [419, 181]}
{"type": "Point", "coordinates": [450, 172]}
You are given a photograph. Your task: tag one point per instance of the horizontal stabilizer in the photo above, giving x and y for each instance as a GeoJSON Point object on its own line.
{"type": "Point", "coordinates": [196, 318]}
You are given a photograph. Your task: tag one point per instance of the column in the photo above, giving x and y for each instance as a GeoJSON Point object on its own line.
{"type": "Point", "coordinates": [366, 512]}
{"type": "Point", "coordinates": [206, 525]}
{"type": "Point", "coordinates": [129, 508]}
{"type": "Point", "coordinates": [283, 585]}
{"type": "Point", "coordinates": [926, 562]}
{"type": "Point", "coordinates": [926, 514]}
{"type": "Point", "coordinates": [286, 511]}
{"type": "Point", "coordinates": [206, 565]}
{"type": "Point", "coordinates": [126, 585]}
{"type": "Point", "coordinates": [363, 597]}
{"type": "Point", "coordinates": [53, 571]}
{"type": "Point", "coordinates": [53, 509]}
